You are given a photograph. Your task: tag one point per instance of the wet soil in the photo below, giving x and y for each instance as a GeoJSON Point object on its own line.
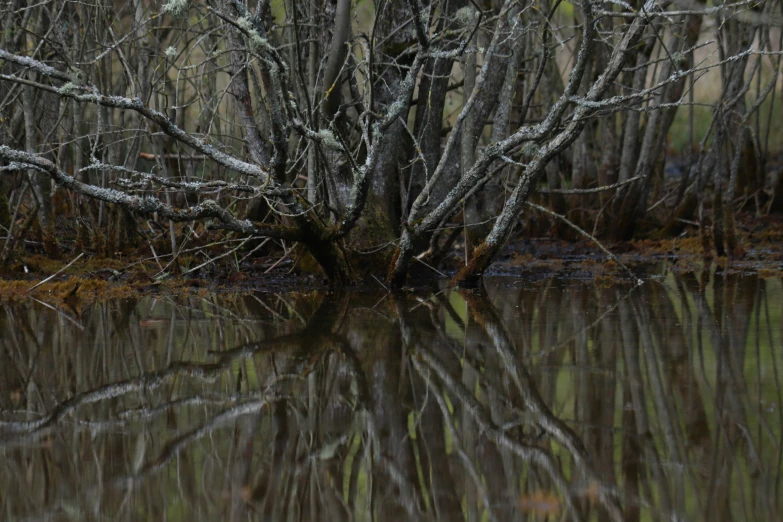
{"type": "Point", "coordinates": [531, 258]}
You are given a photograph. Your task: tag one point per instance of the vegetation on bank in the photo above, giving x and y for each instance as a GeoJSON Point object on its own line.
{"type": "Point", "coordinates": [72, 283]}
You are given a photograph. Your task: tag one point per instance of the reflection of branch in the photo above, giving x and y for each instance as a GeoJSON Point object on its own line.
{"type": "Point", "coordinates": [373, 446]}
{"type": "Point", "coordinates": [173, 447]}
{"type": "Point", "coordinates": [589, 327]}
{"type": "Point", "coordinates": [660, 394]}
{"type": "Point", "coordinates": [631, 363]}
{"type": "Point", "coordinates": [124, 416]}
{"type": "Point", "coordinates": [23, 430]}
{"type": "Point", "coordinates": [486, 315]}
{"type": "Point", "coordinates": [492, 432]}
{"type": "Point", "coordinates": [146, 382]}
{"type": "Point", "coordinates": [59, 312]}
{"type": "Point", "coordinates": [466, 460]}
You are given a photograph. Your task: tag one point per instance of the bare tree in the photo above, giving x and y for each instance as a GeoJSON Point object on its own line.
{"type": "Point", "coordinates": [371, 134]}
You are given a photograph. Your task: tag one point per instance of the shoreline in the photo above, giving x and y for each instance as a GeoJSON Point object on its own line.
{"type": "Point", "coordinates": [91, 279]}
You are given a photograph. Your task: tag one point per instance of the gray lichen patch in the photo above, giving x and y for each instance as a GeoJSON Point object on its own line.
{"type": "Point", "coordinates": [176, 8]}
{"type": "Point", "coordinates": [466, 16]}
{"type": "Point", "coordinates": [328, 139]}
{"type": "Point", "coordinates": [257, 42]}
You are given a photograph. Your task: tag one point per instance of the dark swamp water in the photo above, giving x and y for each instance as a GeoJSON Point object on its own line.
{"type": "Point", "coordinates": [554, 400]}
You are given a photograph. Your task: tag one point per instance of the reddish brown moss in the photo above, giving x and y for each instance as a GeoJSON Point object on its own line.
{"type": "Point", "coordinates": [471, 273]}
{"type": "Point", "coordinates": [71, 289]}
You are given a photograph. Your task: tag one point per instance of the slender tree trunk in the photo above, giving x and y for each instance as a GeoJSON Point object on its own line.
{"type": "Point", "coordinates": [39, 182]}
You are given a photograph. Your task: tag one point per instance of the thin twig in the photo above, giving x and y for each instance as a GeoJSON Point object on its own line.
{"type": "Point", "coordinates": [430, 266]}
{"type": "Point", "coordinates": [221, 256]}
{"type": "Point", "coordinates": [591, 190]}
{"type": "Point", "coordinates": [55, 274]}
{"type": "Point", "coordinates": [380, 283]}
{"type": "Point", "coordinates": [285, 255]}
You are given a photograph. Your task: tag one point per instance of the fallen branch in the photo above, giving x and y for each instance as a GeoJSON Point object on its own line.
{"type": "Point", "coordinates": [587, 235]}
{"type": "Point", "coordinates": [54, 274]}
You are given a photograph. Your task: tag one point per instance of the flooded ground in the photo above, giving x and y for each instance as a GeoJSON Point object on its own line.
{"type": "Point", "coordinates": [552, 400]}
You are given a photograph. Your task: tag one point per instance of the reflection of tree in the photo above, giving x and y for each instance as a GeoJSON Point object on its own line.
{"type": "Point", "coordinates": [556, 401]}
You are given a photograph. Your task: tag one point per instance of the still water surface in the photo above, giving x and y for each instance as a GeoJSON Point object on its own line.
{"type": "Point", "coordinates": [555, 400]}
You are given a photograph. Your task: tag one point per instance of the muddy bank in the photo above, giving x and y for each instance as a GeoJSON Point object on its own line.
{"type": "Point", "coordinates": [90, 277]}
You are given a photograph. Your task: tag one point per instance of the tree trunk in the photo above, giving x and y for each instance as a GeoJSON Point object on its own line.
{"type": "Point", "coordinates": [39, 182]}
